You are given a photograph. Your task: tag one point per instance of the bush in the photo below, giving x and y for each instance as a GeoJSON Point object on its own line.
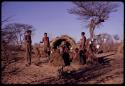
{"type": "Point", "coordinates": [56, 59]}
{"type": "Point", "coordinates": [120, 48]}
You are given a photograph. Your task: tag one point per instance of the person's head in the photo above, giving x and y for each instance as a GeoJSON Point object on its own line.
{"type": "Point", "coordinates": [76, 49]}
{"type": "Point", "coordinates": [45, 34]}
{"type": "Point", "coordinates": [28, 32]}
{"type": "Point", "coordinates": [82, 33]}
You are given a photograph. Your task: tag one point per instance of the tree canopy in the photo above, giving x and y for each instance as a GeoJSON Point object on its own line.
{"type": "Point", "coordinates": [93, 13]}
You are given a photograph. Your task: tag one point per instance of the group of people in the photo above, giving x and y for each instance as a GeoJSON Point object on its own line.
{"type": "Point", "coordinates": [63, 49]}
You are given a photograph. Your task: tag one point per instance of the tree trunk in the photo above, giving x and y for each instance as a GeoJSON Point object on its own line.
{"type": "Point", "coordinates": [91, 31]}
{"type": "Point", "coordinates": [92, 25]}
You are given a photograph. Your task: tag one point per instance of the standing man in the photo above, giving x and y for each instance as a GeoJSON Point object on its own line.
{"type": "Point", "coordinates": [46, 42]}
{"type": "Point", "coordinates": [28, 42]}
{"type": "Point", "coordinates": [82, 49]}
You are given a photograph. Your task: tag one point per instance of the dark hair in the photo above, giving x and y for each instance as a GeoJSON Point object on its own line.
{"type": "Point", "coordinates": [82, 33]}
{"type": "Point", "coordinates": [28, 31]}
{"type": "Point", "coordinates": [45, 33]}
{"type": "Point", "coordinates": [76, 49]}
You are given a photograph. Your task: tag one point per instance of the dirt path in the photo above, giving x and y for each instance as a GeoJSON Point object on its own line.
{"type": "Point", "coordinates": [109, 70]}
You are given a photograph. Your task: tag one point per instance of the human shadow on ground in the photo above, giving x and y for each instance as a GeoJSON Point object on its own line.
{"type": "Point", "coordinates": [105, 59]}
{"type": "Point", "coordinates": [90, 72]}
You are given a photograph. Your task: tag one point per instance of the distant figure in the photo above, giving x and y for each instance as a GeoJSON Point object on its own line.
{"type": "Point", "coordinates": [65, 53]}
{"type": "Point", "coordinates": [28, 41]}
{"type": "Point", "coordinates": [82, 56]}
{"type": "Point", "coordinates": [46, 42]}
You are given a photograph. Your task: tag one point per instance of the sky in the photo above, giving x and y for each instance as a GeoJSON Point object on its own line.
{"type": "Point", "coordinates": [53, 18]}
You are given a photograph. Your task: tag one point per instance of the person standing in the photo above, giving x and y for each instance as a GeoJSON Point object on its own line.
{"type": "Point", "coordinates": [82, 56]}
{"type": "Point", "coordinates": [46, 42]}
{"type": "Point", "coordinates": [28, 42]}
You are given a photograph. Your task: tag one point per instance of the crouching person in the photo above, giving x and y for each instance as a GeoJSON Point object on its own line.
{"type": "Point", "coordinates": [65, 53]}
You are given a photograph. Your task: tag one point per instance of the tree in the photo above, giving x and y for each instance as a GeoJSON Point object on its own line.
{"type": "Point", "coordinates": [12, 37]}
{"type": "Point", "coordinates": [94, 12]}
{"type": "Point", "coordinates": [104, 38]}
{"type": "Point", "coordinates": [13, 33]}
{"type": "Point", "coordinates": [6, 20]}
{"type": "Point", "coordinates": [116, 37]}
{"type": "Point", "coordinates": [105, 41]}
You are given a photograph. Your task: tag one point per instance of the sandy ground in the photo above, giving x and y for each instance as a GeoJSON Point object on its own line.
{"type": "Point", "coordinates": [108, 71]}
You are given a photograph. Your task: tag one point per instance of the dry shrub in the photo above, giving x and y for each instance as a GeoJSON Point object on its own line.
{"type": "Point", "coordinates": [42, 53]}
{"type": "Point", "coordinates": [56, 59]}
{"type": "Point", "coordinates": [120, 48]}
{"type": "Point", "coordinates": [9, 54]}
{"type": "Point", "coordinates": [38, 50]}
{"type": "Point", "coordinates": [23, 46]}
{"type": "Point", "coordinates": [116, 45]}
{"type": "Point", "coordinates": [104, 48]}
{"type": "Point", "coordinates": [107, 47]}
{"type": "Point", "coordinates": [74, 57]}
